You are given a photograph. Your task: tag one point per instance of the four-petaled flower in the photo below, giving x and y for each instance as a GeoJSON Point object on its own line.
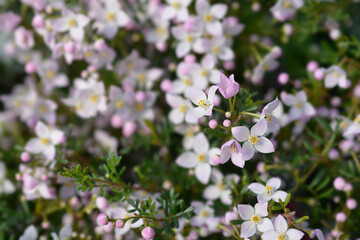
{"type": "Point", "coordinates": [281, 231]}
{"type": "Point", "coordinates": [204, 104]}
{"type": "Point", "coordinates": [254, 139]}
{"type": "Point", "coordinates": [269, 191]}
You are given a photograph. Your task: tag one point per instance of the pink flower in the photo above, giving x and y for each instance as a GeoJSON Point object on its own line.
{"type": "Point", "coordinates": [227, 86]}
{"type": "Point", "coordinates": [148, 233]}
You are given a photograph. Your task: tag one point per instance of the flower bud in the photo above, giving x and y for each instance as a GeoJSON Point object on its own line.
{"type": "Point", "coordinates": [340, 217]}
{"type": "Point", "coordinates": [25, 157]}
{"type": "Point", "coordinates": [339, 183]}
{"type": "Point", "coordinates": [226, 123]}
{"type": "Point", "coordinates": [102, 219]}
{"type": "Point", "coordinates": [283, 78]}
{"type": "Point", "coordinates": [165, 85]}
{"type": "Point", "coordinates": [312, 66]}
{"type": "Point", "coordinates": [30, 67]}
{"type": "Point", "coordinates": [319, 74]}
{"type": "Point", "coordinates": [212, 123]}
{"type": "Point", "coordinates": [108, 227]}
{"type": "Point", "coordinates": [351, 203]}
{"type": "Point", "coordinates": [119, 223]}
{"type": "Point", "coordinates": [228, 114]}
{"type": "Point", "coordinates": [216, 160]}
{"type": "Point", "coordinates": [148, 233]}
{"type": "Point", "coordinates": [101, 203]}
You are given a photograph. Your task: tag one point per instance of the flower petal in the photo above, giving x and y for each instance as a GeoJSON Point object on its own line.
{"type": "Point", "coordinates": [261, 209]}
{"type": "Point", "coordinates": [187, 160]}
{"type": "Point", "coordinates": [240, 133]}
{"type": "Point", "coordinates": [201, 144]}
{"type": "Point", "coordinates": [265, 225]}
{"type": "Point", "coordinates": [247, 151]}
{"type": "Point", "coordinates": [246, 211]}
{"type": "Point", "coordinates": [264, 145]}
{"type": "Point", "coordinates": [257, 188]}
{"type": "Point", "coordinates": [274, 183]}
{"type": "Point", "coordinates": [259, 128]}
{"type": "Point", "coordinates": [279, 194]}
{"type": "Point", "coordinates": [248, 229]}
{"type": "Point", "coordinates": [211, 192]}
{"type": "Point", "coordinates": [294, 234]}
{"type": "Point", "coordinates": [194, 114]}
{"type": "Point", "coordinates": [34, 146]}
{"type": "Point", "coordinates": [203, 172]}
{"type": "Point", "coordinates": [280, 224]}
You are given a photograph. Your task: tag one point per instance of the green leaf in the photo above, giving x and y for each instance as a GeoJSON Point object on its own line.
{"type": "Point", "coordinates": [236, 222]}
{"type": "Point", "coordinates": [308, 146]}
{"type": "Point", "coordinates": [300, 220]}
{"type": "Point", "coordinates": [323, 123]}
{"type": "Point", "coordinates": [287, 200]}
{"type": "Point", "coordinates": [215, 132]}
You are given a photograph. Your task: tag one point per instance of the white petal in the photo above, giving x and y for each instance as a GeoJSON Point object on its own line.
{"type": "Point", "coordinates": [274, 183]}
{"type": "Point", "coordinates": [211, 94]}
{"type": "Point", "coordinates": [41, 130]}
{"type": "Point", "coordinates": [265, 225]}
{"type": "Point", "coordinates": [202, 172]}
{"type": "Point", "coordinates": [194, 114]}
{"type": "Point", "coordinates": [218, 10]}
{"type": "Point", "coordinates": [34, 146]}
{"type": "Point", "coordinates": [168, 13]}
{"type": "Point", "coordinates": [294, 234]}
{"type": "Point", "coordinates": [257, 188]}
{"type": "Point", "coordinates": [270, 235]}
{"type": "Point", "coordinates": [202, 6]}
{"type": "Point", "coordinates": [211, 192]}
{"type": "Point", "coordinates": [176, 117]}
{"type": "Point", "coordinates": [246, 211]}
{"type": "Point", "coordinates": [77, 34]}
{"type": "Point", "coordinates": [182, 49]}
{"type": "Point", "coordinates": [248, 229]}
{"type": "Point", "coordinates": [264, 145]}
{"type": "Point", "coordinates": [226, 54]}
{"type": "Point", "coordinates": [201, 144]}
{"type": "Point", "coordinates": [263, 198]}
{"type": "Point", "coordinates": [279, 194]}
{"type": "Point", "coordinates": [261, 209]}
{"type": "Point", "coordinates": [280, 224]}
{"type": "Point", "coordinates": [196, 95]}
{"type": "Point", "coordinates": [240, 133]}
{"type": "Point", "coordinates": [214, 28]}
{"type": "Point", "coordinates": [8, 186]}
{"type": "Point", "coordinates": [259, 128]}
{"type": "Point", "coordinates": [187, 160]}
{"type": "Point", "coordinates": [247, 150]}
{"type": "Point", "coordinates": [49, 152]}
{"type": "Point", "coordinates": [237, 159]}
{"type": "Point", "coordinates": [309, 110]}
{"type": "Point", "coordinates": [56, 136]}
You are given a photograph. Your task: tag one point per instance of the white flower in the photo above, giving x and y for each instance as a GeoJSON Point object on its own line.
{"type": "Point", "coordinates": [268, 192]}
{"type": "Point", "coordinates": [203, 212]}
{"type": "Point", "coordinates": [281, 231]}
{"type": "Point", "coordinates": [254, 139]}
{"type": "Point", "coordinates": [272, 122]}
{"type": "Point", "coordinates": [189, 132]}
{"type": "Point", "coordinates": [211, 15]}
{"type": "Point", "coordinates": [299, 105]}
{"type": "Point", "coordinates": [205, 104]}
{"type": "Point", "coordinates": [30, 233]}
{"type": "Point", "coordinates": [335, 76]}
{"type": "Point", "coordinates": [179, 107]}
{"type": "Point", "coordinates": [217, 48]}
{"type": "Point", "coordinates": [74, 23]}
{"type": "Point", "coordinates": [110, 18]}
{"type": "Point", "coordinates": [255, 219]}
{"type": "Point", "coordinates": [352, 129]}
{"type": "Point", "coordinates": [220, 188]}
{"type": "Point", "coordinates": [187, 40]}
{"type": "Point", "coordinates": [199, 159]}
{"type": "Point", "coordinates": [176, 8]}
{"type": "Point", "coordinates": [120, 102]}
{"type": "Point", "coordinates": [48, 72]}
{"type": "Point", "coordinates": [6, 186]}
{"type": "Point", "coordinates": [64, 234]}
{"type": "Point", "coordinates": [45, 143]}
{"type": "Point", "coordinates": [267, 64]}
{"type": "Point", "coordinates": [120, 212]}
{"type": "Point", "coordinates": [285, 9]}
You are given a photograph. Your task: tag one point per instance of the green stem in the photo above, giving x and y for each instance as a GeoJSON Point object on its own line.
{"type": "Point", "coordinates": [218, 110]}
{"type": "Point", "coordinates": [229, 231]}
{"type": "Point", "coordinates": [251, 114]}
{"type": "Point", "coordinates": [356, 159]}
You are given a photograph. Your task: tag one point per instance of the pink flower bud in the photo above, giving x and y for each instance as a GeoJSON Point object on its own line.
{"type": "Point", "coordinates": [217, 100]}
{"type": "Point", "coordinates": [351, 203]}
{"type": "Point", "coordinates": [119, 223]}
{"type": "Point", "coordinates": [212, 123]}
{"type": "Point", "coordinates": [44, 177]}
{"type": "Point", "coordinates": [148, 233]}
{"type": "Point", "coordinates": [129, 128]}
{"type": "Point", "coordinates": [288, 29]}
{"type": "Point", "coordinates": [101, 203]}
{"type": "Point", "coordinates": [116, 121]}
{"type": "Point", "coordinates": [226, 123]}
{"type": "Point", "coordinates": [229, 65]}
{"type": "Point", "coordinates": [102, 219]}
{"type": "Point", "coordinates": [190, 58]}
{"type": "Point", "coordinates": [229, 216]}
{"type": "Point", "coordinates": [216, 160]}
{"type": "Point", "coordinates": [340, 217]}
{"type": "Point", "coordinates": [25, 157]}
{"type": "Point", "coordinates": [319, 74]}
{"type": "Point", "coordinates": [336, 199]}
{"type": "Point", "coordinates": [69, 47]}
{"type": "Point", "coordinates": [333, 154]}
{"type": "Point", "coordinates": [228, 114]}
{"type": "Point", "coordinates": [140, 96]}
{"type": "Point", "coordinates": [339, 183]}
{"type": "Point", "coordinates": [108, 227]}
{"type": "Point", "coordinates": [38, 21]}
{"type": "Point", "coordinates": [45, 225]}
{"type": "Point", "coordinates": [74, 201]}
{"type": "Point", "coordinates": [283, 78]}
{"type": "Point", "coordinates": [348, 187]}
{"type": "Point", "coordinates": [357, 91]}
{"type": "Point", "coordinates": [30, 67]}
{"type": "Point", "coordinates": [227, 86]}
{"type": "Point", "coordinates": [165, 85]}
{"type": "Point", "coordinates": [335, 101]}
{"type": "Point", "coordinates": [260, 167]}
{"type": "Point", "coordinates": [312, 66]}
{"type": "Point", "coordinates": [277, 51]}
{"type": "Point", "coordinates": [100, 44]}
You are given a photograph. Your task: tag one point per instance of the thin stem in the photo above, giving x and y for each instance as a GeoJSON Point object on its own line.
{"type": "Point", "coordinates": [356, 159]}
{"type": "Point", "coordinates": [218, 110]}
{"type": "Point", "coordinates": [229, 231]}
{"type": "Point", "coordinates": [251, 114]}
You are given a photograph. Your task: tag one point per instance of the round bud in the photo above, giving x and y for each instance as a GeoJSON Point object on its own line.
{"type": "Point", "coordinates": [190, 58]}
{"type": "Point", "coordinates": [165, 85]}
{"type": "Point", "coordinates": [319, 74]}
{"type": "Point", "coordinates": [339, 183]}
{"type": "Point", "coordinates": [129, 128]}
{"type": "Point", "coordinates": [212, 123]}
{"type": "Point", "coordinates": [312, 66]}
{"type": "Point", "coordinates": [30, 67]}
{"type": "Point", "coordinates": [102, 219]}
{"type": "Point", "coordinates": [108, 227]}
{"type": "Point", "coordinates": [228, 114]}
{"type": "Point", "coordinates": [357, 91]}
{"type": "Point", "coordinates": [116, 121]}
{"type": "Point", "coordinates": [100, 44]}
{"type": "Point", "coordinates": [45, 225]}
{"type": "Point", "coordinates": [229, 65]}
{"type": "Point", "coordinates": [101, 203]}
{"type": "Point", "coordinates": [283, 78]}
{"type": "Point", "coordinates": [119, 223]}
{"type": "Point", "coordinates": [216, 160]}
{"type": "Point", "coordinates": [340, 217]}
{"type": "Point", "coordinates": [348, 187]}
{"type": "Point", "coordinates": [333, 154]}
{"type": "Point", "coordinates": [25, 157]}
{"type": "Point", "coordinates": [148, 233]}
{"type": "Point", "coordinates": [140, 96]}
{"type": "Point", "coordinates": [226, 123]}
{"type": "Point", "coordinates": [69, 47]}
{"type": "Point", "coordinates": [351, 203]}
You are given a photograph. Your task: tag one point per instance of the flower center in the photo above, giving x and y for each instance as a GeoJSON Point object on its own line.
{"type": "Point", "coordinates": [89, 54]}
{"type": "Point", "coordinates": [120, 104]}
{"type": "Point", "coordinates": [141, 77]}
{"type": "Point", "coordinates": [94, 98]}
{"type": "Point", "coordinates": [201, 103]}
{"type": "Point", "coordinates": [201, 157]}
{"type": "Point", "coordinates": [204, 73]}
{"type": "Point", "coordinates": [281, 237]}
{"type": "Point", "coordinates": [71, 23]}
{"type": "Point", "coordinates": [176, 5]}
{"type": "Point", "coordinates": [208, 18]}
{"type": "Point", "coordinates": [204, 213]}
{"type": "Point", "coordinates": [253, 139]}
{"type": "Point", "coordinates": [50, 74]}
{"type": "Point", "coordinates": [189, 133]}
{"type": "Point", "coordinates": [43, 109]}
{"type": "Point", "coordinates": [220, 186]}
{"type": "Point", "coordinates": [287, 5]}
{"type": "Point", "coordinates": [268, 190]}
{"type": "Point", "coordinates": [216, 50]}
{"type": "Point", "coordinates": [160, 30]}
{"type": "Point", "coordinates": [266, 67]}
{"type": "Point", "coordinates": [268, 118]}
{"type": "Point", "coordinates": [228, 36]}
{"type": "Point", "coordinates": [255, 219]}
{"type": "Point", "coordinates": [298, 105]}
{"type": "Point", "coordinates": [336, 74]}
{"type": "Point", "coordinates": [189, 38]}
{"type": "Point", "coordinates": [79, 107]}
{"type": "Point", "coordinates": [110, 16]}
{"type": "Point", "coordinates": [130, 66]}
{"type": "Point", "coordinates": [183, 108]}
{"type": "Point", "coordinates": [45, 141]}
{"type": "Point", "coordinates": [139, 107]}
{"type": "Point", "coordinates": [357, 119]}
{"type": "Point", "coordinates": [187, 81]}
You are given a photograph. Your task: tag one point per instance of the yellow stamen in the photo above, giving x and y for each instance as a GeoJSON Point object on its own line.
{"type": "Point", "coordinates": [255, 219]}
{"type": "Point", "coordinates": [43, 109]}
{"type": "Point", "coordinates": [131, 66]}
{"type": "Point", "coordinates": [189, 38]}
{"type": "Point", "coordinates": [298, 105]}
{"type": "Point", "coordinates": [176, 5]}
{"type": "Point", "coordinates": [94, 98]}
{"type": "Point", "coordinates": [253, 139]}
{"type": "Point", "coordinates": [141, 77]}
{"type": "Point", "coordinates": [287, 5]}
{"type": "Point", "coordinates": [216, 50]}
{"type": "Point", "coordinates": [120, 104]}
{"type": "Point", "coordinates": [266, 67]}
{"type": "Point", "coordinates": [110, 16]}
{"type": "Point", "coordinates": [268, 188]}
{"type": "Point", "coordinates": [183, 108]}
{"type": "Point", "coordinates": [336, 74]}
{"type": "Point", "coordinates": [50, 74]}
{"type": "Point", "coordinates": [79, 107]}
{"type": "Point", "coordinates": [268, 118]}
{"type": "Point", "coordinates": [45, 141]}
{"type": "Point", "coordinates": [281, 237]}
{"type": "Point", "coordinates": [187, 81]}
{"type": "Point", "coordinates": [71, 23]}
{"type": "Point", "coordinates": [160, 30]}
{"type": "Point", "coordinates": [201, 103]}
{"type": "Point", "coordinates": [204, 73]}
{"type": "Point", "coordinates": [89, 54]}
{"type": "Point", "coordinates": [208, 18]}
{"type": "Point", "coordinates": [220, 186]}
{"type": "Point", "coordinates": [189, 133]}
{"type": "Point", "coordinates": [139, 107]}
{"type": "Point", "coordinates": [201, 157]}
